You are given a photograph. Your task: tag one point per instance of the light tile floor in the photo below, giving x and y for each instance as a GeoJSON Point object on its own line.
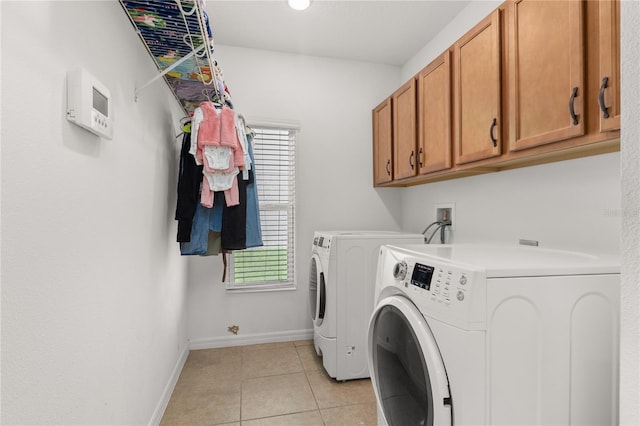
{"type": "Point", "coordinates": [266, 385]}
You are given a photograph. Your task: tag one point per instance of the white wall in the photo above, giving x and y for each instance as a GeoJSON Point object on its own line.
{"type": "Point", "coordinates": [572, 204]}
{"type": "Point", "coordinates": [630, 292]}
{"type": "Point", "coordinates": [93, 293]}
{"type": "Point", "coordinates": [332, 102]}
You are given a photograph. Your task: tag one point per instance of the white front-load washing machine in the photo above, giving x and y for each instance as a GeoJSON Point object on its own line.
{"type": "Point", "coordinates": [341, 295]}
{"type": "Point", "coordinates": [469, 334]}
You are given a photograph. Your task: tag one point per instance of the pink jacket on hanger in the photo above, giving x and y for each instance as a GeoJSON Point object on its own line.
{"type": "Point", "coordinates": [218, 129]}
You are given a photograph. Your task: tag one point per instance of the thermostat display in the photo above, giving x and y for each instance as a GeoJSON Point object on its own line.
{"type": "Point", "coordinates": [89, 103]}
{"type": "Point", "coordinates": [100, 102]}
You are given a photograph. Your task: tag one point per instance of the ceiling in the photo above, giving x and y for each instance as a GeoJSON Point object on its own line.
{"type": "Point", "coordinates": [386, 32]}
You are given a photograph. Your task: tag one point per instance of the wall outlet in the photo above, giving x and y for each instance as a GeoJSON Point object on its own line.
{"type": "Point", "coordinates": [447, 210]}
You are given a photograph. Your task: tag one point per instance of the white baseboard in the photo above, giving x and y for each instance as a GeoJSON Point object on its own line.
{"type": "Point", "coordinates": [250, 339]}
{"type": "Point", "coordinates": [168, 389]}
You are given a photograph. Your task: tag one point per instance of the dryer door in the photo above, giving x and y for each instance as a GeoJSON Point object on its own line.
{"type": "Point", "coordinates": [317, 290]}
{"type": "Point", "coordinates": [408, 375]}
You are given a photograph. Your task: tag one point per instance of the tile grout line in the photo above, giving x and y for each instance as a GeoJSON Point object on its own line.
{"type": "Point", "coordinates": [283, 415]}
{"type": "Point", "coordinates": [315, 399]}
{"type": "Point", "coordinates": [242, 380]}
{"type": "Point", "coordinates": [283, 374]}
{"type": "Point", "coordinates": [241, 385]}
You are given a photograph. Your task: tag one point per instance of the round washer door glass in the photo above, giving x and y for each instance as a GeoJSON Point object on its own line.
{"type": "Point", "coordinates": [408, 374]}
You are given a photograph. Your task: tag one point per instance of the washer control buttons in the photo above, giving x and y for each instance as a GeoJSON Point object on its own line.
{"type": "Point", "coordinates": [460, 295]}
{"type": "Point", "coordinates": [463, 279]}
{"type": "Point", "coordinates": [400, 270]}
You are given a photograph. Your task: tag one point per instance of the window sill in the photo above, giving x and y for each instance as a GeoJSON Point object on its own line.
{"type": "Point", "coordinates": [260, 288]}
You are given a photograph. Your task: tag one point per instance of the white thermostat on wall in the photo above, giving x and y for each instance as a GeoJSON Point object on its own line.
{"type": "Point", "coordinates": [89, 103]}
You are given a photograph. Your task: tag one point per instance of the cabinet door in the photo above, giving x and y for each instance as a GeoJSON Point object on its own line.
{"type": "Point", "coordinates": [609, 95]}
{"type": "Point", "coordinates": [404, 131]}
{"type": "Point", "coordinates": [477, 120]}
{"type": "Point", "coordinates": [546, 72]}
{"type": "Point", "coordinates": [434, 115]}
{"type": "Point", "coordinates": [382, 143]}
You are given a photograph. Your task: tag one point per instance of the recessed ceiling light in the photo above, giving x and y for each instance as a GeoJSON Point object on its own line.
{"type": "Point", "coordinates": [299, 4]}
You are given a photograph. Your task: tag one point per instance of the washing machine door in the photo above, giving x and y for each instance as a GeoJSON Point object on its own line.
{"type": "Point", "coordinates": [407, 372]}
{"type": "Point", "coordinates": [317, 290]}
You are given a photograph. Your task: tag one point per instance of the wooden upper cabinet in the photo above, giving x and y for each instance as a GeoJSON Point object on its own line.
{"type": "Point", "coordinates": [382, 143]}
{"type": "Point", "coordinates": [609, 94]}
{"type": "Point", "coordinates": [434, 115]}
{"type": "Point", "coordinates": [533, 82]}
{"type": "Point", "coordinates": [546, 72]}
{"type": "Point", "coordinates": [404, 131]}
{"type": "Point", "coordinates": [477, 91]}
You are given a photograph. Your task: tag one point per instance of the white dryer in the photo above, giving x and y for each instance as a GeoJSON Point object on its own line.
{"type": "Point", "coordinates": [494, 335]}
{"type": "Point", "coordinates": [341, 295]}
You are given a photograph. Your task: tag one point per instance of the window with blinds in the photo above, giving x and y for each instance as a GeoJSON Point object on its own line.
{"type": "Point", "coordinates": [271, 266]}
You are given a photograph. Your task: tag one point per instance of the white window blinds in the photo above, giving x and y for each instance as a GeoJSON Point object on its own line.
{"type": "Point", "coordinates": [271, 266]}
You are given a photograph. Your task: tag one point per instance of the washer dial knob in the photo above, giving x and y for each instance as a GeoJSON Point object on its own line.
{"type": "Point", "coordinates": [400, 270]}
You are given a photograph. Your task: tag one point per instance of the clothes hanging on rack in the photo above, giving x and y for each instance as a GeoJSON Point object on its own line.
{"type": "Point", "coordinates": [254, 231]}
{"type": "Point", "coordinates": [217, 225]}
{"type": "Point", "coordinates": [234, 221]}
{"type": "Point", "coordinates": [178, 36]}
{"type": "Point", "coordinates": [220, 151]}
{"type": "Point", "coordinates": [189, 179]}
{"type": "Point", "coordinates": [205, 222]}
{"type": "Point", "coordinates": [241, 130]}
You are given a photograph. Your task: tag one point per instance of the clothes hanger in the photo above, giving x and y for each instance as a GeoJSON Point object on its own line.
{"type": "Point", "coordinates": [213, 95]}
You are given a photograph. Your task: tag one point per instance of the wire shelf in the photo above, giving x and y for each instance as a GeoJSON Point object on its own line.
{"type": "Point", "coordinates": [178, 37]}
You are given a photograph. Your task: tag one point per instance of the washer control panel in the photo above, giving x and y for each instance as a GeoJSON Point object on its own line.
{"type": "Point", "coordinates": [440, 283]}
{"type": "Point", "coordinates": [438, 286]}
{"type": "Point", "coordinates": [321, 241]}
